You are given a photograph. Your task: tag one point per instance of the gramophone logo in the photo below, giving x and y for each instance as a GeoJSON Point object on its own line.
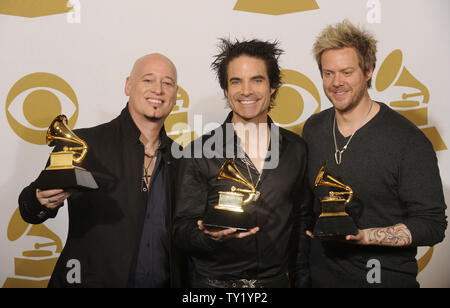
{"type": "Point", "coordinates": [34, 267]}
{"type": "Point", "coordinates": [34, 8]}
{"type": "Point", "coordinates": [34, 101]}
{"type": "Point", "coordinates": [31, 104]}
{"type": "Point", "coordinates": [297, 99]}
{"type": "Point", "coordinates": [279, 7]}
{"type": "Point", "coordinates": [176, 124]}
{"type": "Point", "coordinates": [411, 97]}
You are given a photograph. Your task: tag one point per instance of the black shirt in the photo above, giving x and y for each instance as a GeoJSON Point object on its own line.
{"type": "Point", "coordinates": [281, 212]}
{"type": "Point", "coordinates": [152, 268]}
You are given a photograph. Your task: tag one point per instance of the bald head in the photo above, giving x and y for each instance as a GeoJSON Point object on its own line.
{"type": "Point", "coordinates": [152, 89]}
{"type": "Point", "coordinates": [159, 61]}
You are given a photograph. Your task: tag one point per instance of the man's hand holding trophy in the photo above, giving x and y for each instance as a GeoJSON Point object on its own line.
{"type": "Point", "coordinates": [333, 222]}
{"type": "Point", "coordinates": [61, 178]}
{"type": "Point", "coordinates": [228, 219]}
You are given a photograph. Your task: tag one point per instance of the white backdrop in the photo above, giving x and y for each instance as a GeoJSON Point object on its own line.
{"type": "Point", "coordinates": [89, 49]}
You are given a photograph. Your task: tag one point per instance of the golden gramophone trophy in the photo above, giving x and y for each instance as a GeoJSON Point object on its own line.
{"type": "Point", "coordinates": [61, 173]}
{"type": "Point", "coordinates": [230, 211]}
{"type": "Point", "coordinates": [334, 221]}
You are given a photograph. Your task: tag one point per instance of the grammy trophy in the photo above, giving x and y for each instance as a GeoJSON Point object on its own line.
{"type": "Point", "coordinates": [61, 173]}
{"type": "Point", "coordinates": [230, 210]}
{"type": "Point", "coordinates": [334, 221]}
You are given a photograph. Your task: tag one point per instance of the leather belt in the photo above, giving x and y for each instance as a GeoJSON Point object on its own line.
{"type": "Point", "coordinates": [280, 281]}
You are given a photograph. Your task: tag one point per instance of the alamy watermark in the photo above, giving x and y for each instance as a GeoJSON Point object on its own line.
{"type": "Point", "coordinates": [219, 143]}
{"type": "Point", "coordinates": [73, 275]}
{"type": "Point", "coordinates": [74, 15]}
{"type": "Point", "coordinates": [374, 14]}
{"type": "Point", "coordinates": [374, 274]}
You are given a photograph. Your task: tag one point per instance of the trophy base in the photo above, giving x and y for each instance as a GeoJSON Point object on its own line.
{"type": "Point", "coordinates": [76, 178]}
{"type": "Point", "coordinates": [335, 226]}
{"type": "Point", "coordinates": [224, 219]}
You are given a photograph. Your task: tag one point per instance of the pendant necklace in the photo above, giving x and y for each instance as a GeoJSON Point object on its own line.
{"type": "Point", "coordinates": [338, 153]}
{"type": "Point", "coordinates": [250, 164]}
{"type": "Point", "coordinates": [147, 177]}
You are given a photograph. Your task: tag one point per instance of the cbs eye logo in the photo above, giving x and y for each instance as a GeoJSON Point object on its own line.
{"type": "Point", "coordinates": [34, 101]}
{"type": "Point", "coordinates": [290, 110]}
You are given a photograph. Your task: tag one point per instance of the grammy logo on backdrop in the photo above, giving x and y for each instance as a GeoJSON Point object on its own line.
{"type": "Point", "coordinates": [176, 124]}
{"type": "Point", "coordinates": [411, 100]}
{"type": "Point", "coordinates": [34, 8]}
{"type": "Point", "coordinates": [278, 7]}
{"type": "Point", "coordinates": [31, 105]}
{"type": "Point", "coordinates": [34, 267]}
{"type": "Point", "coordinates": [411, 103]}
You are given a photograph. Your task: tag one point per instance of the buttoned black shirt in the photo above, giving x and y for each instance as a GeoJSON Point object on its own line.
{"type": "Point", "coordinates": [152, 268]}
{"type": "Point", "coordinates": [282, 211]}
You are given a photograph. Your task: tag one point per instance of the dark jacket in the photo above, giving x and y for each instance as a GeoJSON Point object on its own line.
{"type": "Point", "coordinates": [105, 225]}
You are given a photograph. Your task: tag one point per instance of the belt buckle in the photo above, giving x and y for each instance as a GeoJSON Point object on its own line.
{"type": "Point", "coordinates": [248, 283]}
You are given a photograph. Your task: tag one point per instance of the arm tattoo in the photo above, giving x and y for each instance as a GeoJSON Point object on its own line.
{"type": "Point", "coordinates": [398, 236]}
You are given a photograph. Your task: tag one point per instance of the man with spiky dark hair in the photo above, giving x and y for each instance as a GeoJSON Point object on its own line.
{"type": "Point", "coordinates": [266, 51]}
{"type": "Point", "coordinates": [273, 250]}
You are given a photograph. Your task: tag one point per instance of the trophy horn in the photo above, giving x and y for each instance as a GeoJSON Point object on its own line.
{"type": "Point", "coordinates": [229, 171]}
{"type": "Point", "coordinates": [324, 178]}
{"type": "Point", "coordinates": [61, 172]}
{"type": "Point", "coordinates": [334, 221]}
{"type": "Point", "coordinates": [60, 131]}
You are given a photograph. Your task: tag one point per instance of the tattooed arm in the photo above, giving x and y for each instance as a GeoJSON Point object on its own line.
{"type": "Point", "coordinates": [396, 236]}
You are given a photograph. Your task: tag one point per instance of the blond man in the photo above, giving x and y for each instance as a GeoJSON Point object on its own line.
{"type": "Point", "coordinates": [389, 163]}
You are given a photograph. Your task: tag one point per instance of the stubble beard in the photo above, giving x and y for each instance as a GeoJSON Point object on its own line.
{"type": "Point", "coordinates": [354, 102]}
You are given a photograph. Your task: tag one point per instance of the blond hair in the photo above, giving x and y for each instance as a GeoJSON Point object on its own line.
{"type": "Point", "coordinates": [345, 34]}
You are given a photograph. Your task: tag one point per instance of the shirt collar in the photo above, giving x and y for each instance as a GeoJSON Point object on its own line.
{"type": "Point", "coordinates": [230, 138]}
{"type": "Point", "coordinates": [130, 130]}
{"type": "Point", "coordinates": [132, 133]}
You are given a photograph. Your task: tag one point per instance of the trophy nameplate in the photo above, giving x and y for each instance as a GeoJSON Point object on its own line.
{"type": "Point", "coordinates": [61, 173]}
{"type": "Point", "coordinates": [334, 220]}
{"type": "Point", "coordinates": [230, 210]}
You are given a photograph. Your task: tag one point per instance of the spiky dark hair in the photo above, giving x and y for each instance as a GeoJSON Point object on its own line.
{"type": "Point", "coordinates": [267, 51]}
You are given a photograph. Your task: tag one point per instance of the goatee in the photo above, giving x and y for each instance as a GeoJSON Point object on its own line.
{"type": "Point", "coordinates": [153, 119]}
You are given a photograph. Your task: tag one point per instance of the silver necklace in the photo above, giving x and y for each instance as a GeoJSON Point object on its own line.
{"type": "Point", "coordinates": [338, 153]}
{"type": "Point", "coordinates": [249, 164]}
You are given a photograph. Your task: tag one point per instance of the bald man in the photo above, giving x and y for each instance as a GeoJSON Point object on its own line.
{"type": "Point", "coordinates": [120, 235]}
